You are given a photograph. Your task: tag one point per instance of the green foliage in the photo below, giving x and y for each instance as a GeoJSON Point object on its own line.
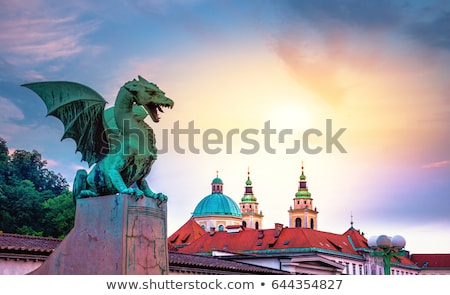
{"type": "Point", "coordinates": [33, 199]}
{"type": "Point", "coordinates": [30, 166]}
{"type": "Point", "coordinates": [59, 216]}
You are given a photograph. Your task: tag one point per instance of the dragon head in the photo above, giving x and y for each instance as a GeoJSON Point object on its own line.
{"type": "Point", "coordinates": [149, 96]}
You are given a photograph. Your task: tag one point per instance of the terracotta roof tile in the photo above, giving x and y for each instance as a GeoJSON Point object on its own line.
{"type": "Point", "coordinates": [15, 242]}
{"type": "Point", "coordinates": [432, 260]}
{"type": "Point", "coordinates": [263, 240]}
{"type": "Point", "coordinates": [208, 262]}
{"type": "Point", "coordinates": [187, 233]}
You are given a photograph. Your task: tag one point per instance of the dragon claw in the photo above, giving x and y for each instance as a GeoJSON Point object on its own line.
{"type": "Point", "coordinates": [162, 197]}
{"type": "Point", "coordinates": [159, 196]}
{"type": "Point", "coordinates": [87, 194]}
{"type": "Point", "coordinates": [134, 192]}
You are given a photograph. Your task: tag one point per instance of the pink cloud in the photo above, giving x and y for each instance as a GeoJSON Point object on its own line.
{"type": "Point", "coordinates": [51, 163]}
{"type": "Point", "coordinates": [43, 35]}
{"type": "Point", "coordinates": [438, 164]}
{"type": "Point", "coordinates": [9, 113]}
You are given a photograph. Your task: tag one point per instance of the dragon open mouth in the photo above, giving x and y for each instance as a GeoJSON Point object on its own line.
{"type": "Point", "coordinates": [155, 108]}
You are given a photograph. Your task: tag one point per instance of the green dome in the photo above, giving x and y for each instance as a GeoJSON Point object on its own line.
{"type": "Point", "coordinates": [303, 194]}
{"type": "Point", "coordinates": [248, 198]}
{"type": "Point", "coordinates": [302, 177]}
{"type": "Point", "coordinates": [217, 180]}
{"type": "Point", "coordinates": [217, 204]}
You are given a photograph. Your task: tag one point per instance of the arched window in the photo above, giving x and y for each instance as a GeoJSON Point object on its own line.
{"type": "Point", "coordinates": [311, 223]}
{"type": "Point", "coordinates": [244, 224]}
{"type": "Point", "coordinates": [221, 227]}
{"type": "Point", "coordinates": [298, 222]}
{"type": "Point", "coordinates": [257, 225]}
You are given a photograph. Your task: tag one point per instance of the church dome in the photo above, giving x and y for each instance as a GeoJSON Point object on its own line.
{"type": "Point", "coordinates": [217, 204]}
{"type": "Point", "coordinates": [217, 180]}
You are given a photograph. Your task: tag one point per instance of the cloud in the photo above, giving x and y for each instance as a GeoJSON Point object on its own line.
{"type": "Point", "coordinates": [323, 43]}
{"type": "Point", "coordinates": [438, 164]}
{"type": "Point", "coordinates": [52, 163]}
{"type": "Point", "coordinates": [160, 7]}
{"type": "Point", "coordinates": [354, 12]}
{"type": "Point", "coordinates": [43, 34]}
{"type": "Point", "coordinates": [8, 114]}
{"type": "Point", "coordinates": [434, 32]}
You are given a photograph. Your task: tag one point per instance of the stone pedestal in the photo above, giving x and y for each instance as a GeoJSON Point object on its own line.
{"type": "Point", "coordinates": [113, 235]}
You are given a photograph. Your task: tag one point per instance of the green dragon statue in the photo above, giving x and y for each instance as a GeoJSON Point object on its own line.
{"type": "Point", "coordinates": [117, 141]}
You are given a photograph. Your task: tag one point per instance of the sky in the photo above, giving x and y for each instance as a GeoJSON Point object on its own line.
{"type": "Point", "coordinates": [357, 91]}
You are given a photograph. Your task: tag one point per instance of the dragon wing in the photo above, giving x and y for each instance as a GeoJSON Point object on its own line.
{"type": "Point", "coordinates": [80, 109]}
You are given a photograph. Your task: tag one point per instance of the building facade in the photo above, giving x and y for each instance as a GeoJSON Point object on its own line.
{"type": "Point", "coordinates": [299, 248]}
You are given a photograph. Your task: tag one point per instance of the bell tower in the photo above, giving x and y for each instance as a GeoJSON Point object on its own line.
{"type": "Point", "coordinates": [251, 218]}
{"type": "Point", "coordinates": [303, 213]}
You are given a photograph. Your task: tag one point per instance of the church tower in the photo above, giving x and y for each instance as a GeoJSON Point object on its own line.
{"type": "Point", "coordinates": [303, 214]}
{"type": "Point", "coordinates": [251, 218]}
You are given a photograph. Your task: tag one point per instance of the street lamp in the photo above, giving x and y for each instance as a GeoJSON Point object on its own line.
{"type": "Point", "coordinates": [387, 247]}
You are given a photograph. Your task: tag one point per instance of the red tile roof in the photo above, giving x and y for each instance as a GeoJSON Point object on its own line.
{"type": "Point", "coordinates": [211, 264]}
{"type": "Point", "coordinates": [432, 260]}
{"type": "Point", "coordinates": [357, 238]}
{"type": "Point", "coordinates": [22, 243]}
{"type": "Point", "coordinates": [288, 240]}
{"type": "Point", "coordinates": [187, 233]}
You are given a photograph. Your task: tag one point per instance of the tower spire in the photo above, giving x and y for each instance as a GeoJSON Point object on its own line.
{"type": "Point", "coordinates": [248, 182]}
{"type": "Point", "coordinates": [251, 217]}
{"type": "Point", "coordinates": [303, 213]}
{"type": "Point", "coordinates": [302, 185]}
{"type": "Point", "coordinates": [351, 220]}
{"type": "Point", "coordinates": [217, 184]}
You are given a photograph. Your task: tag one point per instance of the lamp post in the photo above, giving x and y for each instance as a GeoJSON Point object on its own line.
{"type": "Point", "coordinates": [387, 247]}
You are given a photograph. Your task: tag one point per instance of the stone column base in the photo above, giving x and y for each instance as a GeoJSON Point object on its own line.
{"type": "Point", "coordinates": [113, 235]}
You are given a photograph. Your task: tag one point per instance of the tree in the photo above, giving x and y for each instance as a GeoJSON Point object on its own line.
{"type": "Point", "coordinates": [4, 159]}
{"type": "Point", "coordinates": [59, 216]}
{"type": "Point", "coordinates": [33, 199]}
{"type": "Point", "coordinates": [30, 166]}
{"type": "Point", "coordinates": [23, 207]}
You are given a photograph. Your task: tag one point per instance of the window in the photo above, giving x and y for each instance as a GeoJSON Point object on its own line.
{"type": "Point", "coordinates": [221, 227]}
{"type": "Point", "coordinates": [244, 223]}
{"type": "Point", "coordinates": [347, 271]}
{"type": "Point", "coordinates": [360, 269]}
{"type": "Point", "coordinates": [298, 222]}
{"type": "Point", "coordinates": [257, 225]}
{"type": "Point", "coordinates": [311, 223]}
{"type": "Point", "coordinates": [354, 268]}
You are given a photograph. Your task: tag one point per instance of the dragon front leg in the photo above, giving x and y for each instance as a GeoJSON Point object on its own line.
{"type": "Point", "coordinates": [120, 185]}
{"type": "Point", "coordinates": [149, 193]}
{"type": "Point", "coordinates": [80, 186]}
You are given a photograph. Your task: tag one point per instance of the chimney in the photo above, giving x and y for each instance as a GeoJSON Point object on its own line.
{"type": "Point", "coordinates": [260, 234]}
{"type": "Point", "coordinates": [278, 229]}
{"type": "Point", "coordinates": [233, 228]}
